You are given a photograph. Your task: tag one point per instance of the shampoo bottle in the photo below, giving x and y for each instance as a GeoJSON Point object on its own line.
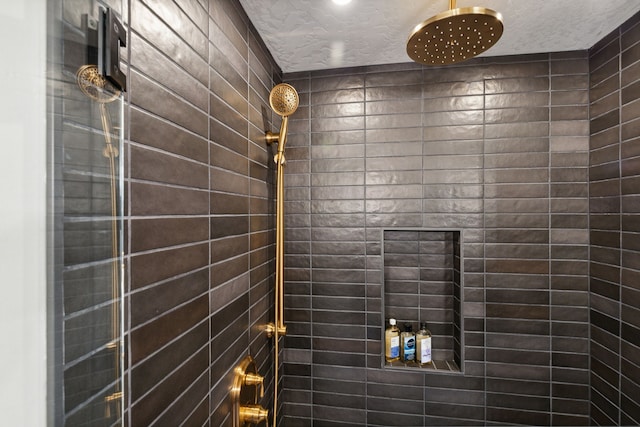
{"type": "Point", "coordinates": [408, 344]}
{"type": "Point", "coordinates": [392, 342]}
{"type": "Point", "coordinates": [423, 345]}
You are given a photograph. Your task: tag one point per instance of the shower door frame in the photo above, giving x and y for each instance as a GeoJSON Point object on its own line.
{"type": "Point", "coordinates": [76, 129]}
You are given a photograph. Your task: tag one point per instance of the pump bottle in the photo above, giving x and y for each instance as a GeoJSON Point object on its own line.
{"type": "Point", "coordinates": [423, 345]}
{"type": "Point", "coordinates": [408, 344]}
{"type": "Point", "coordinates": [392, 342]}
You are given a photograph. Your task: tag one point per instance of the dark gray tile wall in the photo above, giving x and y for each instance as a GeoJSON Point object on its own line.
{"type": "Point", "coordinates": [615, 253]}
{"type": "Point", "coordinates": [497, 148]}
{"type": "Point", "coordinates": [200, 221]}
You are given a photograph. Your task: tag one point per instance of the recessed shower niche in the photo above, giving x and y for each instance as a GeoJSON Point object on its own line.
{"type": "Point", "coordinates": [422, 282]}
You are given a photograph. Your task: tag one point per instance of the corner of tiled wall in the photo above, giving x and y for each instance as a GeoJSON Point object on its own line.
{"type": "Point", "coordinates": [615, 254]}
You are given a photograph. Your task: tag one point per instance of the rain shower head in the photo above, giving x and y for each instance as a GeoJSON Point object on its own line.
{"type": "Point", "coordinates": [284, 99]}
{"type": "Point", "coordinates": [95, 86]}
{"type": "Point", "coordinates": [455, 35]}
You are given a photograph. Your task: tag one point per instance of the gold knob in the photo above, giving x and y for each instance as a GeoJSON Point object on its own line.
{"type": "Point", "coordinates": [270, 329]}
{"type": "Point", "coordinates": [272, 137]}
{"type": "Point", "coordinates": [255, 379]}
{"type": "Point", "coordinates": [253, 414]}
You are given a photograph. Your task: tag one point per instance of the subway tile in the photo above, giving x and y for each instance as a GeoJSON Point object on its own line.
{"type": "Point", "coordinates": [150, 27]}
{"type": "Point", "coordinates": [155, 266]}
{"type": "Point", "coordinates": [394, 78]}
{"type": "Point", "coordinates": [574, 97]}
{"type": "Point", "coordinates": [394, 106]}
{"type": "Point", "coordinates": [605, 88]}
{"type": "Point", "coordinates": [605, 50]}
{"type": "Point", "coordinates": [182, 24]}
{"type": "Point", "coordinates": [630, 130]}
{"type": "Point", "coordinates": [503, 191]}
{"type": "Point", "coordinates": [153, 370]}
{"type": "Point", "coordinates": [329, 83]}
{"type": "Point", "coordinates": [516, 416]}
{"type": "Point", "coordinates": [144, 94]}
{"type": "Point", "coordinates": [337, 96]}
{"type": "Point", "coordinates": [152, 165]}
{"type": "Point", "coordinates": [519, 371]}
{"type": "Point", "coordinates": [630, 55]}
{"type": "Point", "coordinates": [605, 104]}
{"type": "Point", "coordinates": [153, 64]}
{"type": "Point", "coordinates": [446, 133]}
{"type": "Point", "coordinates": [166, 328]}
{"type": "Point", "coordinates": [630, 74]}
{"type": "Point", "coordinates": [605, 138]}
{"type": "Point", "coordinates": [570, 82]}
{"type": "Point", "coordinates": [338, 110]}
{"type": "Point", "coordinates": [579, 65]}
{"type": "Point", "coordinates": [144, 411]}
{"type": "Point", "coordinates": [151, 131]}
{"type": "Point", "coordinates": [630, 111]}
{"type": "Point", "coordinates": [519, 311]}
{"type": "Point", "coordinates": [397, 135]}
{"type": "Point", "coordinates": [167, 295]}
{"type": "Point", "coordinates": [514, 173]}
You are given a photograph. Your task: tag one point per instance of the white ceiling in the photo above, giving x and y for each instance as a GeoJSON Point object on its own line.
{"type": "Point", "coordinates": [306, 35]}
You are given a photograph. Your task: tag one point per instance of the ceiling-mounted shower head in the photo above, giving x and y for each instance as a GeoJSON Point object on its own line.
{"type": "Point", "coordinates": [95, 86]}
{"type": "Point", "coordinates": [455, 35]}
{"type": "Point", "coordinates": [284, 99]}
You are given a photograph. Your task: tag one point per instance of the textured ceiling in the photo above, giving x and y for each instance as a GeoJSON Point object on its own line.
{"type": "Point", "coordinates": [305, 35]}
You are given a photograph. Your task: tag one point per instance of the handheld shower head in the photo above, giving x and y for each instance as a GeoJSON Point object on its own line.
{"type": "Point", "coordinates": [284, 99]}
{"type": "Point", "coordinates": [100, 90]}
{"type": "Point", "coordinates": [95, 86]}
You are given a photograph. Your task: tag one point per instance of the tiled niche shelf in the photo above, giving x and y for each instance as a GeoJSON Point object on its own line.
{"type": "Point", "coordinates": [422, 282]}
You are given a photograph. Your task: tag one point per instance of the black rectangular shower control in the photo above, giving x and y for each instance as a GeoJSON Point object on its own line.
{"type": "Point", "coordinates": [111, 36]}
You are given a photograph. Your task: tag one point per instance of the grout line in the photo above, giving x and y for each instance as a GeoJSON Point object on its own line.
{"type": "Point", "coordinates": [484, 245]}
{"type": "Point", "coordinates": [309, 156]}
{"type": "Point", "coordinates": [550, 239]}
{"type": "Point", "coordinates": [620, 232]}
{"type": "Point", "coordinates": [366, 254]}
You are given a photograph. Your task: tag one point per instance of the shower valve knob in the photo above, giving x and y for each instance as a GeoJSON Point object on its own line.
{"type": "Point", "coordinates": [255, 379]}
{"type": "Point", "coordinates": [253, 414]}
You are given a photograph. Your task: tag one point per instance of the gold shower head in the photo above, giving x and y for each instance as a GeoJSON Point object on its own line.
{"type": "Point", "coordinates": [284, 99]}
{"type": "Point", "coordinates": [455, 35]}
{"type": "Point", "coordinates": [95, 86]}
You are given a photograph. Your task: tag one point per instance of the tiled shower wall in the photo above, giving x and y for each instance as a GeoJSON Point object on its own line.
{"type": "Point", "coordinates": [498, 149]}
{"type": "Point", "coordinates": [615, 227]}
{"type": "Point", "coordinates": [200, 221]}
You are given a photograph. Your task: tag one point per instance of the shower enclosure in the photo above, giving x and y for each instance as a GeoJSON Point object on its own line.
{"type": "Point", "coordinates": [85, 248]}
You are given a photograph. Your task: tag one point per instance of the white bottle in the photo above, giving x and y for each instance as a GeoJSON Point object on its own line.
{"type": "Point", "coordinates": [423, 345]}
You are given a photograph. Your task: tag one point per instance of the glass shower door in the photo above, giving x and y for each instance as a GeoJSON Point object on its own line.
{"type": "Point", "coordinates": [86, 221]}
